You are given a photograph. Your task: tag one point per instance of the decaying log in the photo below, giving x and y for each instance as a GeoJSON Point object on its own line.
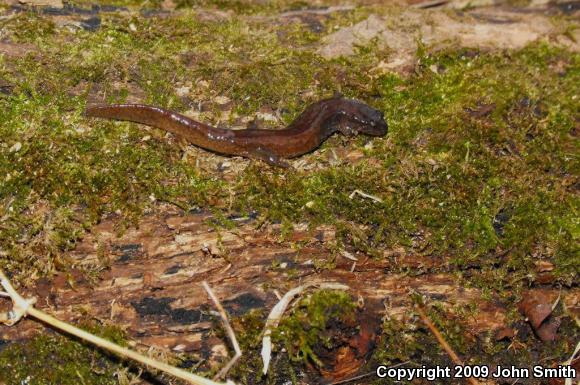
{"type": "Point", "coordinates": [152, 287]}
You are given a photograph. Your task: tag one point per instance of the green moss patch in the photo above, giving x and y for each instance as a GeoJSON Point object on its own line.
{"type": "Point", "coordinates": [308, 326]}
{"type": "Point", "coordinates": [479, 164]}
{"type": "Point", "coordinates": [409, 342]}
{"type": "Point", "coordinates": [57, 359]}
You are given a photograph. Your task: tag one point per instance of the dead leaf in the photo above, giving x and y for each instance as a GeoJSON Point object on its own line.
{"type": "Point", "coordinates": [544, 272]}
{"type": "Point", "coordinates": [545, 278]}
{"type": "Point", "coordinates": [505, 333]}
{"type": "Point", "coordinates": [543, 266]}
{"type": "Point", "coordinates": [537, 306]}
{"type": "Point", "coordinates": [571, 304]}
{"type": "Point", "coordinates": [346, 360]}
{"type": "Point", "coordinates": [548, 330]}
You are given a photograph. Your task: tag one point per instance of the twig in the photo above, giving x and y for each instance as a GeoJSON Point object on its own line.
{"type": "Point", "coordinates": [454, 357]}
{"type": "Point", "coordinates": [429, 4]}
{"type": "Point", "coordinates": [365, 195]}
{"type": "Point", "coordinates": [23, 307]}
{"type": "Point", "coordinates": [20, 306]}
{"type": "Point", "coordinates": [348, 255]}
{"type": "Point", "coordinates": [569, 362]}
{"type": "Point", "coordinates": [224, 371]}
{"type": "Point", "coordinates": [439, 336]}
{"type": "Point", "coordinates": [353, 267]}
{"type": "Point", "coordinates": [353, 378]}
{"type": "Point", "coordinates": [366, 374]}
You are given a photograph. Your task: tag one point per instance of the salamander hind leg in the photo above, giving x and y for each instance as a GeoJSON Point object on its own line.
{"type": "Point", "coordinates": [266, 155]}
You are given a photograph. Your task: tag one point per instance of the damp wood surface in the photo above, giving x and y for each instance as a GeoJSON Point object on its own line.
{"type": "Point", "coordinates": [152, 286]}
{"type": "Point", "coordinates": [152, 289]}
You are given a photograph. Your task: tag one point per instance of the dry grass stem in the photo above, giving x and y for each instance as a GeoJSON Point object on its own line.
{"type": "Point", "coordinates": [365, 195]}
{"type": "Point", "coordinates": [454, 357]}
{"type": "Point", "coordinates": [224, 371]}
{"type": "Point", "coordinates": [23, 307]}
{"type": "Point", "coordinates": [279, 309]}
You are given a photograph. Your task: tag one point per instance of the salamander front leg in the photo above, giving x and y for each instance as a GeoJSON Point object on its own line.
{"type": "Point", "coordinates": [268, 156]}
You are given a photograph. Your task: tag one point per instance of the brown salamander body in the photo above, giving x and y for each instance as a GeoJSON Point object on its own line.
{"type": "Point", "coordinates": [304, 134]}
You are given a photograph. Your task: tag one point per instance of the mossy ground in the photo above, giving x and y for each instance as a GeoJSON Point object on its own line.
{"type": "Point", "coordinates": [410, 341]}
{"type": "Point", "coordinates": [480, 164]}
{"type": "Point", "coordinates": [57, 359]}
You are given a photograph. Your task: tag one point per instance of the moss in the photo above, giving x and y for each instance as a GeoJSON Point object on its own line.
{"type": "Point", "coordinates": [448, 177]}
{"type": "Point", "coordinates": [479, 165]}
{"type": "Point", "coordinates": [69, 165]}
{"type": "Point", "coordinates": [248, 329]}
{"type": "Point", "coordinates": [57, 359]}
{"type": "Point", "coordinates": [410, 340]}
{"type": "Point", "coordinates": [252, 7]}
{"type": "Point", "coordinates": [454, 180]}
{"type": "Point", "coordinates": [30, 27]}
{"type": "Point", "coordinates": [457, 170]}
{"type": "Point", "coordinates": [304, 330]}
{"type": "Point", "coordinates": [398, 343]}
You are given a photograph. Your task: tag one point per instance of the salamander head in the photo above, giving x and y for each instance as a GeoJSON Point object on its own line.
{"type": "Point", "coordinates": [354, 117]}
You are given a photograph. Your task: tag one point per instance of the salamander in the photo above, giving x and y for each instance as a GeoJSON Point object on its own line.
{"type": "Point", "coordinates": [317, 122]}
